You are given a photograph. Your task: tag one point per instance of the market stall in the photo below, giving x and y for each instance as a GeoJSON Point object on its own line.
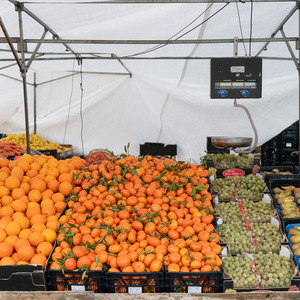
{"type": "Point", "coordinates": [82, 213]}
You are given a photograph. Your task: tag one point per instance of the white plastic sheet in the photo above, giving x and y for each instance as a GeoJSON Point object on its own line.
{"type": "Point", "coordinates": [165, 100]}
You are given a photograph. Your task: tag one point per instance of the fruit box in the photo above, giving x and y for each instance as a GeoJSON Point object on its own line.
{"type": "Point", "coordinates": [279, 183]}
{"type": "Point", "coordinates": [59, 155]}
{"type": "Point", "coordinates": [274, 221]}
{"type": "Point", "coordinates": [194, 282]}
{"type": "Point", "coordinates": [158, 149]}
{"type": "Point", "coordinates": [135, 283]}
{"type": "Point", "coordinates": [78, 281]}
{"type": "Point", "coordinates": [267, 177]}
{"type": "Point", "coordinates": [284, 251]}
{"type": "Point", "coordinates": [22, 278]}
{"type": "Point", "coordinates": [288, 227]}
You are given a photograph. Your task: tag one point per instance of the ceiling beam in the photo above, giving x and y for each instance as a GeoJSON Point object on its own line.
{"type": "Point", "coordinates": [136, 42]}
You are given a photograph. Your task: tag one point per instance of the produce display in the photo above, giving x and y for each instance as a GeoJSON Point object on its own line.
{"type": "Point", "coordinates": [10, 148]}
{"type": "Point", "coordinates": [32, 192]}
{"type": "Point", "coordinates": [293, 231]}
{"type": "Point", "coordinates": [266, 237]}
{"type": "Point", "coordinates": [254, 211]}
{"type": "Point", "coordinates": [226, 160]}
{"type": "Point", "coordinates": [250, 187]}
{"type": "Point", "coordinates": [287, 201]}
{"type": "Point", "coordinates": [276, 171]}
{"type": "Point", "coordinates": [272, 270]}
{"type": "Point", "coordinates": [136, 215]}
{"type": "Point", "coordinates": [36, 142]}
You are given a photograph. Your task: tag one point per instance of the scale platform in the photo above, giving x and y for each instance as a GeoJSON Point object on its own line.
{"type": "Point", "coordinates": [225, 142]}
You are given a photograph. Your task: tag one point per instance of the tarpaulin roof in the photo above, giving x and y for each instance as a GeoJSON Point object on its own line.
{"type": "Point", "coordinates": [142, 71]}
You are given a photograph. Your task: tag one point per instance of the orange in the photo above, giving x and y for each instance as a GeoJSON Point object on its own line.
{"type": "Point", "coordinates": [34, 195]}
{"type": "Point", "coordinates": [155, 266]}
{"type": "Point", "coordinates": [19, 205]}
{"type": "Point", "coordinates": [123, 260]}
{"type": "Point", "coordinates": [12, 182]}
{"type": "Point", "coordinates": [32, 211]}
{"type": "Point", "coordinates": [25, 253]}
{"type": "Point", "coordinates": [173, 267]}
{"type": "Point", "coordinates": [50, 235]}
{"type": "Point", "coordinates": [44, 248]}
{"type": "Point", "coordinates": [22, 221]}
{"type": "Point", "coordinates": [7, 261]}
{"type": "Point", "coordinates": [5, 200]}
{"type": "Point", "coordinates": [13, 228]}
{"type": "Point", "coordinates": [6, 211]}
{"type": "Point", "coordinates": [4, 191]}
{"type": "Point", "coordinates": [6, 249]}
{"type": "Point", "coordinates": [20, 242]}
{"type": "Point", "coordinates": [38, 218]}
{"type": "Point", "coordinates": [38, 227]}
{"type": "Point", "coordinates": [17, 193]}
{"type": "Point", "coordinates": [84, 261]}
{"type": "Point", "coordinates": [35, 238]}
{"type": "Point", "coordinates": [65, 188]}
{"type": "Point", "coordinates": [38, 259]}
{"type": "Point", "coordinates": [48, 210]}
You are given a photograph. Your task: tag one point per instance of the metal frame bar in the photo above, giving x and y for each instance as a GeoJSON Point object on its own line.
{"type": "Point", "coordinates": [141, 58]}
{"type": "Point", "coordinates": [278, 28]}
{"type": "Point", "coordinates": [32, 15]}
{"type": "Point", "coordinates": [36, 50]}
{"type": "Point", "coordinates": [123, 65]}
{"type": "Point", "coordinates": [159, 1]}
{"type": "Point", "coordinates": [289, 48]}
{"type": "Point", "coordinates": [167, 42]}
{"type": "Point", "coordinates": [23, 74]}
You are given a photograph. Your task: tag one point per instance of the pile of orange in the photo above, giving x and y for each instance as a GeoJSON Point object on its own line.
{"type": "Point", "coordinates": [138, 215]}
{"type": "Point", "coordinates": [33, 190]}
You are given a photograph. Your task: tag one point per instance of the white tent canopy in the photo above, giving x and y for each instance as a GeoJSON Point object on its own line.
{"type": "Point", "coordinates": [142, 71]}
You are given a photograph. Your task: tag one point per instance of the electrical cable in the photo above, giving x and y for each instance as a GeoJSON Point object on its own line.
{"type": "Point", "coordinates": [165, 44]}
{"type": "Point", "coordinates": [240, 24]}
{"type": "Point", "coordinates": [81, 100]}
{"type": "Point", "coordinates": [70, 101]}
{"type": "Point", "coordinates": [162, 45]}
{"type": "Point", "coordinates": [251, 21]}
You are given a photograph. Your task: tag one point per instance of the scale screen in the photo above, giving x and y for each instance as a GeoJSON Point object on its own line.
{"type": "Point", "coordinates": [236, 77]}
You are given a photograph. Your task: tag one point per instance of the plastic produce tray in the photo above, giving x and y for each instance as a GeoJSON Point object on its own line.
{"type": "Point", "coordinates": [135, 283]}
{"type": "Point", "coordinates": [76, 281]}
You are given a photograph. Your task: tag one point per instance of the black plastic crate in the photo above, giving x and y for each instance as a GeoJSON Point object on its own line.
{"type": "Point", "coordinates": [158, 149]}
{"type": "Point", "coordinates": [194, 282]}
{"type": "Point", "coordinates": [76, 281]}
{"type": "Point", "coordinates": [22, 278]}
{"type": "Point", "coordinates": [135, 283]}
{"type": "Point", "coordinates": [279, 183]}
{"type": "Point", "coordinates": [288, 143]}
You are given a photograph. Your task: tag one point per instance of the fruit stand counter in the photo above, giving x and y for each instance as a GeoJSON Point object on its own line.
{"type": "Point", "coordinates": [179, 296]}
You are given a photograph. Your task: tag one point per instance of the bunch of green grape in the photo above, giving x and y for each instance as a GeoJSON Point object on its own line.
{"type": "Point", "coordinates": [239, 267]}
{"type": "Point", "coordinates": [251, 183]}
{"type": "Point", "coordinates": [266, 236]}
{"type": "Point", "coordinates": [236, 237]}
{"type": "Point", "coordinates": [275, 270]}
{"type": "Point", "coordinates": [226, 160]}
{"type": "Point", "coordinates": [254, 211]}
{"type": "Point", "coordinates": [250, 187]}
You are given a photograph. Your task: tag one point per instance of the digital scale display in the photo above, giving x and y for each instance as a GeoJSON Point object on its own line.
{"type": "Point", "coordinates": [236, 77]}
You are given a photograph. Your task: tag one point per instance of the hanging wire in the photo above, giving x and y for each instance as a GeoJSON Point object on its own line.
{"type": "Point", "coordinates": [81, 114]}
{"type": "Point", "coordinates": [251, 21]}
{"type": "Point", "coordinates": [165, 44]}
{"type": "Point", "coordinates": [70, 101]}
{"type": "Point", "coordinates": [162, 45]}
{"type": "Point", "coordinates": [240, 24]}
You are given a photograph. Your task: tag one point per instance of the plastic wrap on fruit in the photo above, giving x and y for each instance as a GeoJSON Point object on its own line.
{"type": "Point", "coordinates": [98, 155]}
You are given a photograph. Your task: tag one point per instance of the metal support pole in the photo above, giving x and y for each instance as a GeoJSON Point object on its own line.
{"type": "Point", "coordinates": [23, 75]}
{"type": "Point", "coordinates": [34, 102]}
{"type": "Point", "coordinates": [298, 6]}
